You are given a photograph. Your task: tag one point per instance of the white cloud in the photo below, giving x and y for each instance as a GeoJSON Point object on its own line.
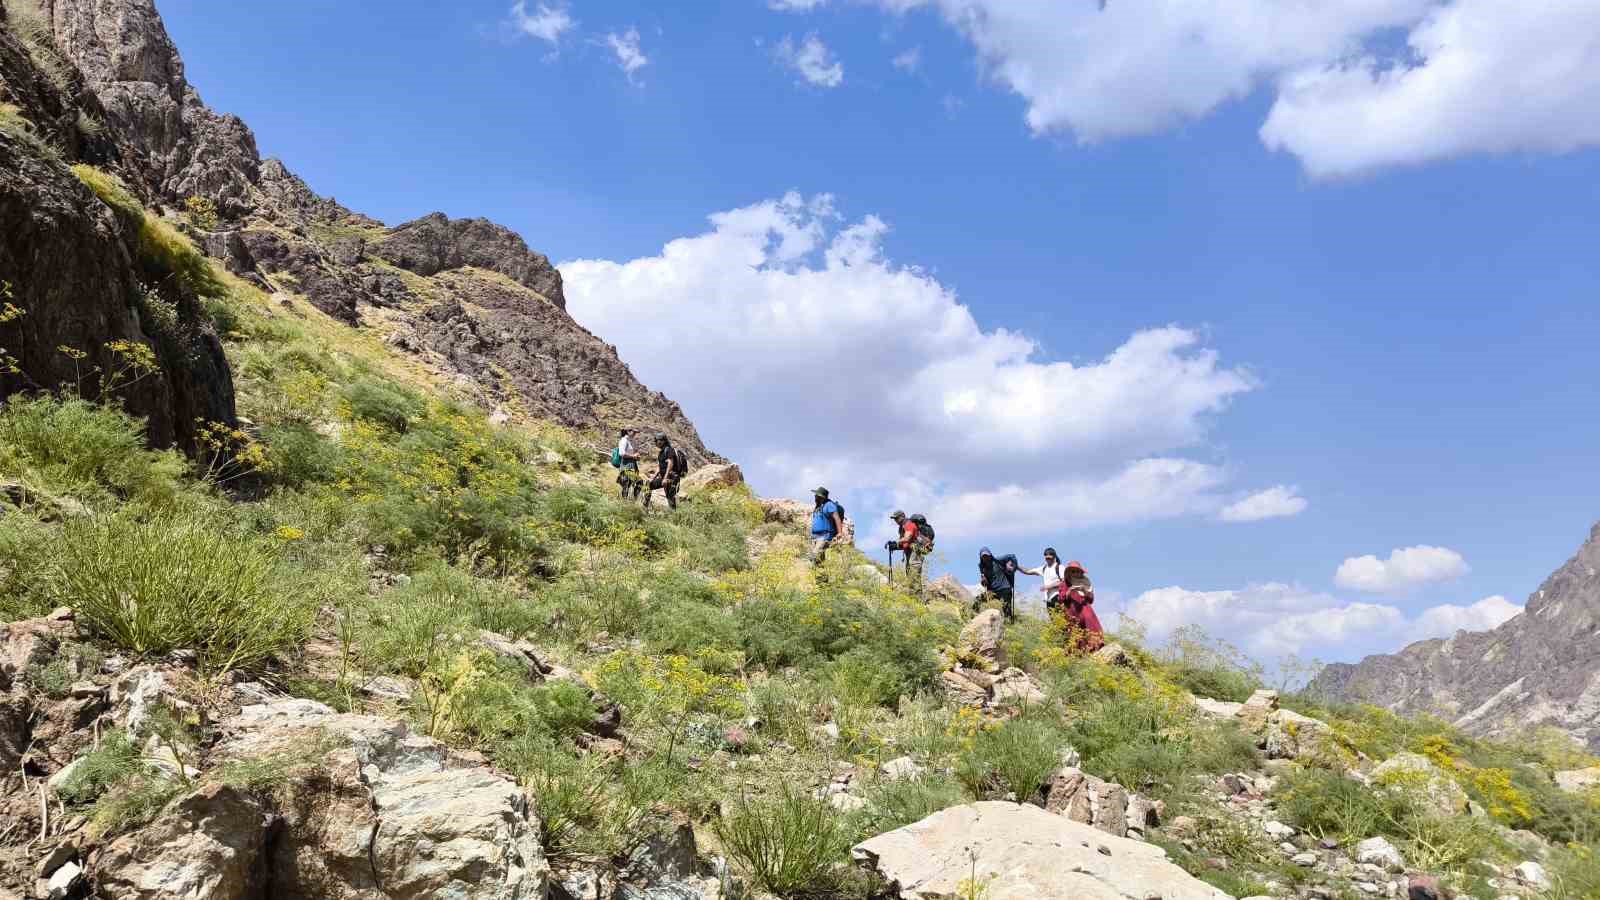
{"type": "Point", "coordinates": [547, 23]}
{"type": "Point", "coordinates": [812, 60]}
{"type": "Point", "coordinates": [805, 354]}
{"type": "Point", "coordinates": [625, 46]}
{"type": "Point", "coordinates": [1268, 620]}
{"type": "Point", "coordinates": [1406, 568]}
{"type": "Point", "coordinates": [1475, 76]}
{"type": "Point", "coordinates": [1272, 503]}
{"type": "Point", "coordinates": [1136, 68]}
{"type": "Point", "coordinates": [796, 5]}
{"type": "Point", "coordinates": [909, 60]}
{"type": "Point", "coordinates": [1272, 620]}
{"type": "Point", "coordinates": [1445, 620]}
{"type": "Point", "coordinates": [1487, 76]}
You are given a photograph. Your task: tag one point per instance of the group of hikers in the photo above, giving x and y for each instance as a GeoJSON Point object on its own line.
{"type": "Point", "coordinates": [671, 465]}
{"type": "Point", "coordinates": [1066, 589]}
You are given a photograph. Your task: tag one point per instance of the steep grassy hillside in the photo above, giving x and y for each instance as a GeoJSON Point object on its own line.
{"type": "Point", "coordinates": [352, 539]}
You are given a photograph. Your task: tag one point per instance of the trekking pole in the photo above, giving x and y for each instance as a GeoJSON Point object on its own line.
{"type": "Point", "coordinates": [890, 548]}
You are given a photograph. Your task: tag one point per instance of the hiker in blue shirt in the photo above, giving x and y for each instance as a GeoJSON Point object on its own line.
{"type": "Point", "coordinates": [827, 521]}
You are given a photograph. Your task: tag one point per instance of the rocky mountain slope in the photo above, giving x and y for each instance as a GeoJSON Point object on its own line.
{"type": "Point", "coordinates": [100, 81]}
{"type": "Point", "coordinates": [1541, 668]}
{"type": "Point", "coordinates": [430, 653]}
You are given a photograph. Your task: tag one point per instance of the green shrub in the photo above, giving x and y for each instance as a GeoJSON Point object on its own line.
{"type": "Point", "coordinates": [435, 614]}
{"type": "Point", "coordinates": [592, 808]}
{"type": "Point", "coordinates": [108, 765]}
{"type": "Point", "coordinates": [162, 250]}
{"type": "Point", "coordinates": [384, 403]}
{"type": "Point", "coordinates": [791, 843]}
{"type": "Point", "coordinates": [133, 803]}
{"type": "Point", "coordinates": [27, 553]}
{"type": "Point", "coordinates": [1016, 758]}
{"type": "Point", "coordinates": [155, 586]}
{"type": "Point", "coordinates": [297, 456]}
{"type": "Point", "coordinates": [449, 484]}
{"type": "Point", "coordinates": [95, 452]}
{"type": "Point", "coordinates": [1576, 873]}
{"type": "Point", "coordinates": [1327, 804]}
{"type": "Point", "coordinates": [893, 804]}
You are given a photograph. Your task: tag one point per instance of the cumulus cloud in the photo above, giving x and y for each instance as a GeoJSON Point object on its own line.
{"type": "Point", "coordinates": [909, 60]}
{"type": "Point", "coordinates": [1445, 620]}
{"type": "Point", "coordinates": [547, 23]}
{"type": "Point", "coordinates": [1120, 69]}
{"type": "Point", "coordinates": [1483, 76]}
{"type": "Point", "coordinates": [1272, 620]}
{"type": "Point", "coordinates": [625, 46]}
{"type": "Point", "coordinates": [1406, 568]}
{"type": "Point", "coordinates": [804, 353]}
{"type": "Point", "coordinates": [1475, 76]}
{"type": "Point", "coordinates": [1268, 620]}
{"type": "Point", "coordinates": [1272, 503]}
{"type": "Point", "coordinates": [812, 61]}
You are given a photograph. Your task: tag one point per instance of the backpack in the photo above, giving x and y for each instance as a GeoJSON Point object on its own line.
{"type": "Point", "coordinates": [616, 457]}
{"type": "Point", "coordinates": [680, 462]}
{"type": "Point", "coordinates": [924, 532]}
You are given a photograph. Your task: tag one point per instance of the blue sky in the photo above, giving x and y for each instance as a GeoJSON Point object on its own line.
{"type": "Point", "coordinates": [1345, 258]}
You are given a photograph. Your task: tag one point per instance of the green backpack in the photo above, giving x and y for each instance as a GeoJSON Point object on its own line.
{"type": "Point", "coordinates": [616, 457]}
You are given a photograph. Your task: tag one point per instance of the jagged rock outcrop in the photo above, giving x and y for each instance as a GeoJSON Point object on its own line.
{"type": "Point", "coordinates": [436, 242]}
{"type": "Point", "coordinates": [1021, 852]}
{"type": "Point", "coordinates": [69, 273]}
{"type": "Point", "coordinates": [1542, 667]}
{"type": "Point", "coordinates": [175, 145]}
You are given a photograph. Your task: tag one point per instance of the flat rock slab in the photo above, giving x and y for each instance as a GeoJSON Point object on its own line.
{"type": "Point", "coordinates": [1023, 853]}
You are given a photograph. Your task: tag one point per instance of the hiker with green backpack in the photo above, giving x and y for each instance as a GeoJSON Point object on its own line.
{"type": "Point", "coordinates": [915, 542]}
{"type": "Point", "coordinates": [625, 459]}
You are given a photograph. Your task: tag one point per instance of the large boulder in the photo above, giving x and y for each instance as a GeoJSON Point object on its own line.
{"type": "Point", "coordinates": [1427, 783]}
{"type": "Point", "coordinates": [1290, 735]}
{"type": "Point", "coordinates": [1577, 781]}
{"type": "Point", "coordinates": [1022, 852]}
{"type": "Point", "coordinates": [713, 476]}
{"type": "Point", "coordinates": [207, 846]}
{"type": "Point", "coordinates": [1084, 798]}
{"type": "Point", "coordinates": [979, 645]}
{"type": "Point", "coordinates": [949, 589]}
{"type": "Point", "coordinates": [373, 811]}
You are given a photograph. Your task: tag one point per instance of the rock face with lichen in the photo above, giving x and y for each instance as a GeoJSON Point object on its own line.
{"type": "Point", "coordinates": [1540, 668]}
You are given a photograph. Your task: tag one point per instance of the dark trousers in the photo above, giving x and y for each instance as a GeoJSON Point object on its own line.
{"type": "Point", "coordinates": [668, 485]}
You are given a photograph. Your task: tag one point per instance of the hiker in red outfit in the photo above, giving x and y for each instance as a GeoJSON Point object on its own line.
{"type": "Point", "coordinates": [1075, 601]}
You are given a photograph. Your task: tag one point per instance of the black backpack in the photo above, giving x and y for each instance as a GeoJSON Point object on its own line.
{"type": "Point", "coordinates": [680, 461]}
{"type": "Point", "coordinates": [924, 530]}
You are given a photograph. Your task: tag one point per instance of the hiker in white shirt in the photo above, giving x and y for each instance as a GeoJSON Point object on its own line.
{"type": "Point", "coordinates": [1051, 571]}
{"type": "Point", "coordinates": [629, 476]}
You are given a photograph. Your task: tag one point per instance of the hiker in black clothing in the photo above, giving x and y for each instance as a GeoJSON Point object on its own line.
{"type": "Point", "coordinates": [998, 577]}
{"type": "Point", "coordinates": [669, 471]}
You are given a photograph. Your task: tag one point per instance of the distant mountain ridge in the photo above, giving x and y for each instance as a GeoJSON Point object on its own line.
{"type": "Point", "coordinates": [1540, 668]}
{"type": "Point", "coordinates": [466, 297]}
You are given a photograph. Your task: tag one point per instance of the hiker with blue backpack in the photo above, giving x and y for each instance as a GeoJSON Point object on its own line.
{"type": "Point", "coordinates": [998, 578]}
